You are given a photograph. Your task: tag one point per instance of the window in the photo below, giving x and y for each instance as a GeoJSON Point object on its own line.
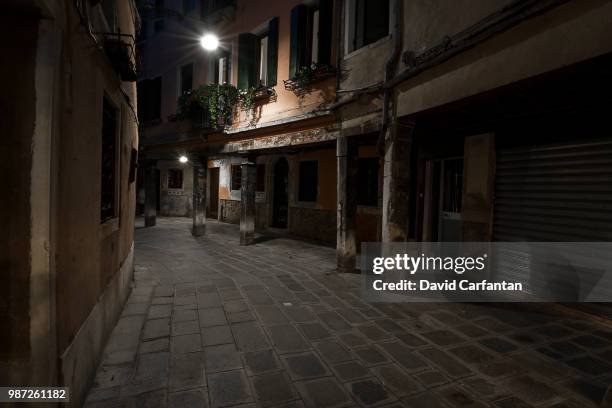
{"type": "Point", "coordinates": [258, 57]}
{"type": "Point", "coordinates": [308, 180]}
{"type": "Point", "coordinates": [175, 179]}
{"type": "Point", "coordinates": [262, 74]}
{"type": "Point", "coordinates": [236, 177]}
{"type": "Point", "coordinates": [368, 21]}
{"type": "Point", "coordinates": [149, 99]}
{"type": "Point", "coordinates": [261, 178]}
{"type": "Point", "coordinates": [188, 6]}
{"type": "Point", "coordinates": [367, 177]}
{"type": "Point", "coordinates": [222, 69]}
{"type": "Point", "coordinates": [311, 35]}
{"type": "Point", "coordinates": [109, 162]}
{"type": "Point", "coordinates": [186, 79]}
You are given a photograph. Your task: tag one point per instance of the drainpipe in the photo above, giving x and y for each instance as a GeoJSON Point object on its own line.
{"type": "Point", "coordinates": [390, 70]}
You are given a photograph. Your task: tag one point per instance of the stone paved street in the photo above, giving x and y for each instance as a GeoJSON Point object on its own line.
{"type": "Point", "coordinates": [210, 323]}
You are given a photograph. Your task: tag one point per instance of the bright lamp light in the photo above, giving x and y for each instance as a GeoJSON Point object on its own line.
{"type": "Point", "coordinates": [183, 159]}
{"type": "Point", "coordinates": [209, 42]}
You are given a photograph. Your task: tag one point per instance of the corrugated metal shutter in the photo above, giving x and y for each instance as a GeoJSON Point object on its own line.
{"type": "Point", "coordinates": [554, 193]}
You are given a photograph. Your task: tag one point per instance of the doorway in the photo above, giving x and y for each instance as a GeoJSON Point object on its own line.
{"type": "Point", "coordinates": [213, 208]}
{"type": "Point", "coordinates": [280, 201]}
{"type": "Point", "coordinates": [443, 196]}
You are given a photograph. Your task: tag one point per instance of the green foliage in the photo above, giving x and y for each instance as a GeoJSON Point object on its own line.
{"type": "Point", "coordinates": [220, 100]}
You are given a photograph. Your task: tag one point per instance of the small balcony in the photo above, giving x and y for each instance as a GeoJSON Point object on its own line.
{"type": "Point", "coordinates": [121, 52]}
{"type": "Point", "coordinates": [306, 77]}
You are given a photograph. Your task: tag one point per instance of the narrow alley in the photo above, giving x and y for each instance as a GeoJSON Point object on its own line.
{"type": "Point", "coordinates": [212, 323]}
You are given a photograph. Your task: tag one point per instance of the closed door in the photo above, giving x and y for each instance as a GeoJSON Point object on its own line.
{"type": "Point", "coordinates": [280, 207]}
{"type": "Point", "coordinates": [213, 209]}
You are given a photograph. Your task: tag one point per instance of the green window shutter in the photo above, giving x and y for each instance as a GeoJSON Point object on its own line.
{"type": "Point", "coordinates": [299, 31]}
{"type": "Point", "coordinates": [247, 56]}
{"type": "Point", "coordinates": [272, 51]}
{"type": "Point", "coordinates": [326, 16]}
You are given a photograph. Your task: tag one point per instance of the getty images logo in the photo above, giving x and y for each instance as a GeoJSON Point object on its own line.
{"type": "Point", "coordinates": [412, 264]}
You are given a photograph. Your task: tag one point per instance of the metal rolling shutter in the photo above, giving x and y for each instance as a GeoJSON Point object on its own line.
{"type": "Point", "coordinates": [554, 193]}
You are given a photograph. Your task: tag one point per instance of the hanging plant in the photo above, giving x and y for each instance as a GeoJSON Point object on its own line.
{"type": "Point", "coordinates": [219, 101]}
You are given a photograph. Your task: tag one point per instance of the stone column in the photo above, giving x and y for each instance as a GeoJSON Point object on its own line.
{"type": "Point", "coordinates": [346, 240]}
{"type": "Point", "coordinates": [150, 193]}
{"type": "Point", "coordinates": [199, 197]}
{"type": "Point", "coordinates": [247, 201]}
{"type": "Point", "coordinates": [396, 182]}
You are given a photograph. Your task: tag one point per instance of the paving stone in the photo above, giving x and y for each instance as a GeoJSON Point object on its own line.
{"type": "Point", "coordinates": [389, 325]}
{"type": "Point", "coordinates": [189, 327]}
{"type": "Point", "coordinates": [167, 300]}
{"type": "Point", "coordinates": [511, 402]}
{"type": "Point", "coordinates": [374, 333]}
{"type": "Point", "coordinates": [334, 321]}
{"type": "Point", "coordinates": [232, 294]}
{"type": "Point", "coordinates": [120, 356]}
{"type": "Point", "coordinates": [184, 315]}
{"type": "Point", "coordinates": [352, 340]}
{"type": "Point", "coordinates": [498, 344]}
{"type": "Point", "coordinates": [457, 397]}
{"type": "Point", "coordinates": [590, 342]}
{"type": "Point", "coordinates": [212, 317]}
{"type": "Point", "coordinates": [228, 388]}
{"type": "Point", "coordinates": [235, 306]}
{"type": "Point", "coordinates": [188, 399]}
{"type": "Point", "coordinates": [471, 354]}
{"type": "Point", "coordinates": [122, 341]}
{"type": "Point", "coordinates": [159, 311]}
{"type": "Point", "coordinates": [403, 355]}
{"type": "Point", "coordinates": [212, 336]}
{"type": "Point", "coordinates": [273, 389]}
{"type": "Point", "coordinates": [152, 346]}
{"type": "Point", "coordinates": [532, 390]}
{"type": "Point", "coordinates": [446, 362]}
{"type": "Point", "coordinates": [152, 366]}
{"type": "Point", "coordinates": [554, 331]}
{"type": "Point", "coordinates": [400, 383]}
{"type": "Point", "coordinates": [431, 378]}
{"type": "Point", "coordinates": [349, 371]}
{"type": "Point", "coordinates": [258, 362]}
{"type": "Point", "coordinates": [270, 315]}
{"type": "Point", "coordinates": [287, 339]}
{"type": "Point", "coordinates": [471, 330]}
{"type": "Point", "coordinates": [323, 393]}
{"type": "Point", "coordinates": [156, 328]}
{"type": "Point", "coordinates": [351, 316]}
{"type": "Point", "coordinates": [566, 348]}
{"type": "Point", "coordinates": [129, 324]}
{"type": "Point", "coordinates": [186, 344]}
{"type": "Point", "coordinates": [208, 300]}
{"type": "Point", "coordinates": [333, 352]}
{"type": "Point", "coordinates": [112, 376]}
{"type": "Point", "coordinates": [140, 387]}
{"type": "Point", "coordinates": [314, 331]}
{"type": "Point", "coordinates": [370, 393]}
{"type": "Point", "coordinates": [443, 337]}
{"type": "Point", "coordinates": [411, 340]}
{"type": "Point", "coordinates": [304, 366]}
{"type": "Point", "coordinates": [259, 297]}
{"type": "Point", "coordinates": [590, 365]}
{"type": "Point", "coordinates": [249, 337]}
{"type": "Point", "coordinates": [371, 355]}
{"type": "Point", "coordinates": [299, 314]}
{"type": "Point", "coordinates": [132, 309]}
{"type": "Point", "coordinates": [185, 300]}
{"type": "Point", "coordinates": [480, 386]}
{"type": "Point", "coordinates": [241, 317]}
{"type": "Point", "coordinates": [224, 357]}
{"type": "Point", "coordinates": [307, 297]}
{"type": "Point", "coordinates": [187, 371]}
{"type": "Point", "coordinates": [592, 390]}
{"type": "Point", "coordinates": [423, 400]}
{"type": "Point", "coordinates": [493, 325]}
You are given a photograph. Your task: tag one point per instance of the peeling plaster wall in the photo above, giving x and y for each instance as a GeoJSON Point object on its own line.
{"type": "Point", "coordinates": [175, 202]}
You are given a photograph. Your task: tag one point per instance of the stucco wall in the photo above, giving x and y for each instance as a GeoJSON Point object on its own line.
{"type": "Point", "coordinates": [175, 202]}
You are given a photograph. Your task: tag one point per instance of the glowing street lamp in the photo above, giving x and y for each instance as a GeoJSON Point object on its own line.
{"type": "Point", "coordinates": [209, 42]}
{"type": "Point", "coordinates": [183, 159]}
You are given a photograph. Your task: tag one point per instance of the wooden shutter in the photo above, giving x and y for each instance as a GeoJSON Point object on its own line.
{"type": "Point", "coordinates": [272, 51]}
{"type": "Point", "coordinates": [247, 57]}
{"type": "Point", "coordinates": [326, 15]}
{"type": "Point", "coordinates": [298, 38]}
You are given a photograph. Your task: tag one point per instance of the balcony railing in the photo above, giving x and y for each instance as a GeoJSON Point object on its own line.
{"type": "Point", "coordinates": [121, 52]}
{"type": "Point", "coordinates": [307, 77]}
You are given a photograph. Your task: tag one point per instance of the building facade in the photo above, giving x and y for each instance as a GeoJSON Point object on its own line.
{"type": "Point", "coordinates": [70, 140]}
{"type": "Point", "coordinates": [399, 121]}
